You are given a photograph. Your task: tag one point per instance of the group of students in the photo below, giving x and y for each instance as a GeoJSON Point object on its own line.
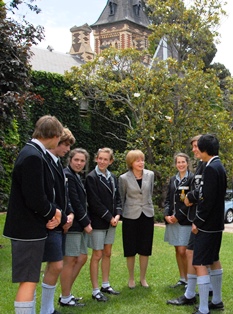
{"type": "Point", "coordinates": [53, 217]}
{"type": "Point", "coordinates": [194, 217]}
{"type": "Point", "coordinates": [48, 219]}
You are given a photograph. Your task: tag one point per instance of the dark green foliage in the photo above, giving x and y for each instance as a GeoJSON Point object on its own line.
{"type": "Point", "coordinates": [8, 152]}
{"type": "Point", "coordinates": [15, 42]}
{"type": "Point", "coordinates": [91, 131]}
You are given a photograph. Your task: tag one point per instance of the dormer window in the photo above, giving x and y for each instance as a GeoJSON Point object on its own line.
{"type": "Point", "coordinates": [112, 7]}
{"type": "Point", "coordinates": [137, 5]}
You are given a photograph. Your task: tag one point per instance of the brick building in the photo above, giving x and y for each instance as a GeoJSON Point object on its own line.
{"type": "Point", "coordinates": [122, 24]}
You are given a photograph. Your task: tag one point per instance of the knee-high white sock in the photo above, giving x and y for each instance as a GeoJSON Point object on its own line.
{"type": "Point", "coordinates": [216, 281]}
{"type": "Point", "coordinates": [210, 286]}
{"type": "Point", "coordinates": [203, 288]}
{"type": "Point", "coordinates": [34, 304]}
{"type": "Point", "coordinates": [191, 287]}
{"type": "Point", "coordinates": [47, 299]}
{"type": "Point", "coordinates": [23, 307]}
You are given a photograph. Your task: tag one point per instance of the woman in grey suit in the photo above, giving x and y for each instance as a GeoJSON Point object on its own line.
{"type": "Point", "coordinates": [136, 189]}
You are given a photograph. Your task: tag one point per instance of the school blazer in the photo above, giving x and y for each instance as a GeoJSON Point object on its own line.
{"type": "Point", "coordinates": [174, 205]}
{"type": "Point", "coordinates": [136, 200]}
{"type": "Point", "coordinates": [61, 193]}
{"type": "Point", "coordinates": [78, 200]}
{"type": "Point", "coordinates": [210, 209]}
{"type": "Point", "coordinates": [193, 195]}
{"type": "Point", "coordinates": [32, 197]}
{"type": "Point", "coordinates": [103, 202]}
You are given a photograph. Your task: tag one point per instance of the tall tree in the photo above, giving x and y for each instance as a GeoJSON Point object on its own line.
{"type": "Point", "coordinates": [191, 27]}
{"type": "Point", "coordinates": [160, 109]}
{"type": "Point", "coordinates": [15, 42]}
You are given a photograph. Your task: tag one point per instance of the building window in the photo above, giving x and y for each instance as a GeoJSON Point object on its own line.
{"type": "Point", "coordinates": [137, 7]}
{"type": "Point", "coordinates": [112, 6]}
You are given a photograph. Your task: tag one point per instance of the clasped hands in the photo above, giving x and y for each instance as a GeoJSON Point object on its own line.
{"type": "Point", "coordinates": [114, 220]}
{"type": "Point", "coordinates": [171, 219]}
{"type": "Point", "coordinates": [55, 221]}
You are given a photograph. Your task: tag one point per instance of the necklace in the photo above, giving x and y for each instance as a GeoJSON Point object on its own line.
{"type": "Point", "coordinates": [138, 177]}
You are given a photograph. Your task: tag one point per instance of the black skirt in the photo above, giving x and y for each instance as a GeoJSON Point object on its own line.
{"type": "Point", "coordinates": [137, 235]}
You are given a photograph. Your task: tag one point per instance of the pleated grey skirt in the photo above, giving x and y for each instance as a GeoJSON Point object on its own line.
{"type": "Point", "coordinates": [177, 235]}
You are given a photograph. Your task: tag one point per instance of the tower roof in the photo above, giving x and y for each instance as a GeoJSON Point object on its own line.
{"type": "Point", "coordinates": [123, 10]}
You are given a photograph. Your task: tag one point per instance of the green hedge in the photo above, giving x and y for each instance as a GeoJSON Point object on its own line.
{"type": "Point", "coordinates": [8, 153]}
{"type": "Point", "coordinates": [91, 131]}
{"type": "Point", "coordinates": [50, 97]}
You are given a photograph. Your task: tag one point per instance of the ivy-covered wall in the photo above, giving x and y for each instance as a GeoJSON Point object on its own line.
{"type": "Point", "coordinates": [91, 131]}
{"type": "Point", "coordinates": [8, 153]}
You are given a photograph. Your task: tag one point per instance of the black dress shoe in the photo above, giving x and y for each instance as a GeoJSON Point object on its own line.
{"type": "Point", "coordinates": [179, 283]}
{"type": "Point", "coordinates": [109, 290]}
{"type": "Point", "coordinates": [56, 312]}
{"type": "Point", "coordinates": [99, 297]}
{"type": "Point", "coordinates": [182, 301]}
{"type": "Point", "coordinates": [218, 306]}
{"type": "Point", "coordinates": [73, 302]}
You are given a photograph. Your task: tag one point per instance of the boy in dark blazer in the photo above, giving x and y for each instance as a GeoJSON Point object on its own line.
{"type": "Point", "coordinates": [208, 225]}
{"type": "Point", "coordinates": [31, 208]}
{"type": "Point", "coordinates": [54, 245]}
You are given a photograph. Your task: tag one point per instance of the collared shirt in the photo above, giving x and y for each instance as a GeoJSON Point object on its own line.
{"type": "Point", "coordinates": [34, 140]}
{"type": "Point", "coordinates": [55, 158]}
{"type": "Point", "coordinates": [107, 176]}
{"type": "Point", "coordinates": [211, 160]}
{"type": "Point", "coordinates": [178, 176]}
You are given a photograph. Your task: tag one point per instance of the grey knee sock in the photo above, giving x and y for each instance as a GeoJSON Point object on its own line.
{"type": "Point", "coordinates": [203, 288]}
{"type": "Point", "coordinates": [23, 307]}
{"type": "Point", "coordinates": [210, 286]}
{"type": "Point", "coordinates": [216, 281]}
{"type": "Point", "coordinates": [47, 299]}
{"type": "Point", "coordinates": [190, 291]}
{"type": "Point", "coordinates": [34, 304]}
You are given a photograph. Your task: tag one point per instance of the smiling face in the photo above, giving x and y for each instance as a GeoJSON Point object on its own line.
{"type": "Point", "coordinates": [138, 164]}
{"type": "Point", "coordinates": [195, 150]}
{"type": "Point", "coordinates": [181, 164]}
{"type": "Point", "coordinates": [204, 156]}
{"type": "Point", "coordinates": [78, 162]}
{"type": "Point", "coordinates": [103, 160]}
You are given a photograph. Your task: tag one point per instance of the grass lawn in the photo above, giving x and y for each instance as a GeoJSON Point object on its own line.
{"type": "Point", "coordinates": [162, 272]}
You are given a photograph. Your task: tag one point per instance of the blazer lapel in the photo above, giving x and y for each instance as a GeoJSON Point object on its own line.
{"type": "Point", "coordinates": [105, 184]}
{"type": "Point", "coordinates": [80, 183]}
{"type": "Point", "coordinates": [133, 180]}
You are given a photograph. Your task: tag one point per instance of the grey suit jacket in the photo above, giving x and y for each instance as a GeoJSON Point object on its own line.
{"type": "Point", "coordinates": [136, 200]}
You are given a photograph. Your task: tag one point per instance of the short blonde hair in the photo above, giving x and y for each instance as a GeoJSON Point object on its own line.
{"type": "Point", "coordinates": [195, 138]}
{"type": "Point", "coordinates": [133, 155]}
{"type": "Point", "coordinates": [67, 137]}
{"type": "Point", "coordinates": [105, 150]}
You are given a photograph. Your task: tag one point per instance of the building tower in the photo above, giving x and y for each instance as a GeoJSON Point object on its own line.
{"type": "Point", "coordinates": [122, 24]}
{"type": "Point", "coordinates": [81, 42]}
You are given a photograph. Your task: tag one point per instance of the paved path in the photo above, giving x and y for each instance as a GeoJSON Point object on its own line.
{"type": "Point", "coordinates": [228, 227]}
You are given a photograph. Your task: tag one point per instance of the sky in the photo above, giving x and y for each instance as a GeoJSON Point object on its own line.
{"type": "Point", "coordinates": [58, 16]}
